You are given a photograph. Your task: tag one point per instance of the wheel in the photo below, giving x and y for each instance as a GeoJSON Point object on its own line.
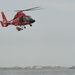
{"type": "Point", "coordinates": [30, 25]}
{"type": "Point", "coordinates": [25, 27]}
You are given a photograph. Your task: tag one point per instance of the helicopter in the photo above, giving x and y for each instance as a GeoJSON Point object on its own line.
{"type": "Point", "coordinates": [20, 19]}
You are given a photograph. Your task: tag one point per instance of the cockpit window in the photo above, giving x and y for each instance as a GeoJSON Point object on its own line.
{"type": "Point", "coordinates": [27, 18]}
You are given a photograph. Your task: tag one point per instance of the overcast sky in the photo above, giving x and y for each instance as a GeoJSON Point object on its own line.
{"type": "Point", "coordinates": [49, 42]}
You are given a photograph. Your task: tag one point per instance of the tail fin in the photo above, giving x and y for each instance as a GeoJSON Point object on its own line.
{"type": "Point", "coordinates": [4, 17]}
{"type": "Point", "coordinates": [4, 21]}
{"type": "Point", "coordinates": [2, 24]}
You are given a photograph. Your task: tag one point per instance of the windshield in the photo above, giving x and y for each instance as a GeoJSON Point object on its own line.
{"type": "Point", "coordinates": [27, 18]}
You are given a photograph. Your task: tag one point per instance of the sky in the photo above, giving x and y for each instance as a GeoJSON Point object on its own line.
{"type": "Point", "coordinates": [49, 42]}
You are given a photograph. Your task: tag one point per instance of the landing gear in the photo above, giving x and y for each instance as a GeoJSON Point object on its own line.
{"type": "Point", "coordinates": [19, 29]}
{"type": "Point", "coordinates": [30, 25]}
{"type": "Point", "coordinates": [24, 27]}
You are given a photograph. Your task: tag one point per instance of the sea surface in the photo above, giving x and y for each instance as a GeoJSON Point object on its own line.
{"type": "Point", "coordinates": [38, 72]}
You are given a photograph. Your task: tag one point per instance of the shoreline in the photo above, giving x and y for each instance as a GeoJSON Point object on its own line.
{"type": "Point", "coordinates": [34, 67]}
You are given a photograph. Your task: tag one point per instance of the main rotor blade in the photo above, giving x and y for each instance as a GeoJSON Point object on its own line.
{"type": "Point", "coordinates": [30, 9]}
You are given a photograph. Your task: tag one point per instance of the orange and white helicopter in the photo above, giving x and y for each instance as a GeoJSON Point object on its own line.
{"type": "Point", "coordinates": [20, 20]}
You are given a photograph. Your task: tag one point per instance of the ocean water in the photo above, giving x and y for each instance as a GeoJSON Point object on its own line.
{"type": "Point", "coordinates": [38, 72]}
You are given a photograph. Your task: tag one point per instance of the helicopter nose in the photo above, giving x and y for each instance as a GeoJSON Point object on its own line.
{"type": "Point", "coordinates": [32, 21]}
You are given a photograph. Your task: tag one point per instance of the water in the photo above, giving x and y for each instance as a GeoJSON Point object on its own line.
{"type": "Point", "coordinates": [38, 72]}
